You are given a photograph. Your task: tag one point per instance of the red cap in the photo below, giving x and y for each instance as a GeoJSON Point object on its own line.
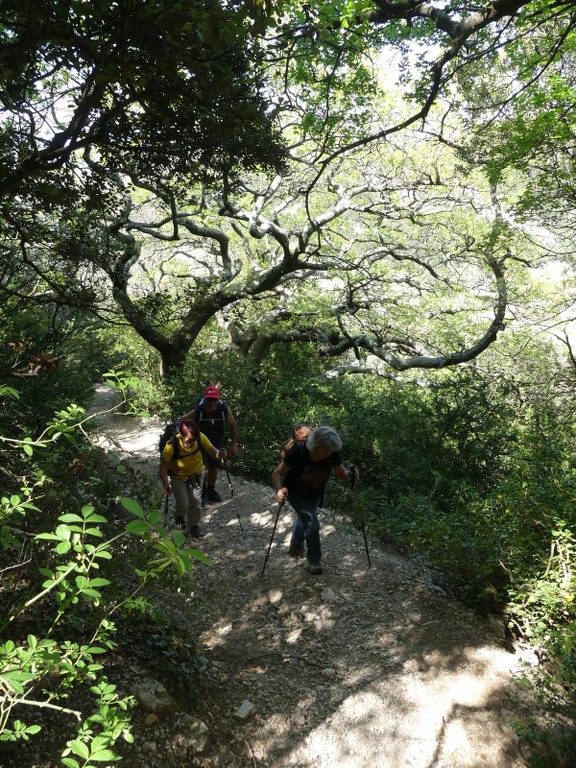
{"type": "Point", "coordinates": [212, 393]}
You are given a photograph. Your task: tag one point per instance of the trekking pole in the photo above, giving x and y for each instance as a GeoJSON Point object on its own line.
{"type": "Point", "coordinates": [165, 510]}
{"type": "Point", "coordinates": [232, 495]}
{"type": "Point", "coordinates": [280, 505]}
{"type": "Point", "coordinates": [358, 511]}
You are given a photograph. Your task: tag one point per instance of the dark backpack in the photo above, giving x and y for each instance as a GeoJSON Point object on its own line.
{"type": "Point", "coordinates": [299, 434]}
{"type": "Point", "coordinates": [170, 435]}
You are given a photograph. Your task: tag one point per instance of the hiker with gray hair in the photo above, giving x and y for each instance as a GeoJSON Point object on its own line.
{"type": "Point", "coordinates": [301, 478]}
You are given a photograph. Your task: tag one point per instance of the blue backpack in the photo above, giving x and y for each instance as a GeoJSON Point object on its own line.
{"type": "Point", "coordinates": [221, 410]}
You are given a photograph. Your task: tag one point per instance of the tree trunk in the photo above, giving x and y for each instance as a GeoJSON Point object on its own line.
{"type": "Point", "coordinates": [172, 360]}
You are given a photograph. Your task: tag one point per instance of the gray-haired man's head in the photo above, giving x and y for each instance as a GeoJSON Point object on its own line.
{"type": "Point", "coordinates": [324, 439]}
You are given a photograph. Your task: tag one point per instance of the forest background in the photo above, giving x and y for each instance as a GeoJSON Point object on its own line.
{"type": "Point", "coordinates": [358, 214]}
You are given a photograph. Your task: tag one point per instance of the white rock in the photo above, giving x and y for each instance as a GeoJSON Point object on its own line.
{"type": "Point", "coordinates": [244, 710]}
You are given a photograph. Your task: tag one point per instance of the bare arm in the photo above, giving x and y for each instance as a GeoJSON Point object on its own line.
{"type": "Point", "coordinates": [231, 421]}
{"type": "Point", "coordinates": [277, 479]}
{"type": "Point", "coordinates": [343, 474]}
{"type": "Point", "coordinates": [164, 476]}
{"type": "Point", "coordinates": [210, 449]}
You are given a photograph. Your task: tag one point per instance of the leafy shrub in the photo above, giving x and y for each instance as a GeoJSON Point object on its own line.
{"type": "Point", "coordinates": [58, 601]}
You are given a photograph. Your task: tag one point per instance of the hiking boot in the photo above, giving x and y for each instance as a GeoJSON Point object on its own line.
{"type": "Point", "coordinates": [195, 532]}
{"type": "Point", "coordinates": [314, 569]}
{"type": "Point", "coordinates": [295, 552]}
{"type": "Point", "coordinates": [213, 495]}
{"type": "Point", "coordinates": [180, 521]}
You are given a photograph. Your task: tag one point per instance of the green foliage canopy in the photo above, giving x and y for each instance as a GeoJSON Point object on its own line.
{"type": "Point", "coordinates": [165, 91]}
{"type": "Point", "coordinates": [165, 96]}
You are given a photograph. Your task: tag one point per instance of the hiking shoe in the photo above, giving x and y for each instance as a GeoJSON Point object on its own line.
{"type": "Point", "coordinates": [195, 532]}
{"type": "Point", "coordinates": [180, 521]}
{"type": "Point", "coordinates": [314, 569]}
{"type": "Point", "coordinates": [213, 495]}
{"type": "Point", "coordinates": [295, 552]}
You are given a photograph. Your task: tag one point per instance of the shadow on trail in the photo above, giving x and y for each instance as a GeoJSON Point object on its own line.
{"type": "Point", "coordinates": [358, 667]}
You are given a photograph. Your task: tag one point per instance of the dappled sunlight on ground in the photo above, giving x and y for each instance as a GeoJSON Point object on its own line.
{"type": "Point", "coordinates": [361, 667]}
{"type": "Point", "coordinates": [399, 691]}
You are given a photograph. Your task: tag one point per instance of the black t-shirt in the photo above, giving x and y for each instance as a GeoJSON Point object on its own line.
{"type": "Point", "coordinates": [306, 477]}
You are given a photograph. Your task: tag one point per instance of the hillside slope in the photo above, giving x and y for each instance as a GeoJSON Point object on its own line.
{"type": "Point", "coordinates": [358, 667]}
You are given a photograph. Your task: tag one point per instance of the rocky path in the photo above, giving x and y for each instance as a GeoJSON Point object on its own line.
{"type": "Point", "coordinates": [359, 667]}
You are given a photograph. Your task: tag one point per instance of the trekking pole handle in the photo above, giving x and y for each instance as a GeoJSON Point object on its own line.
{"type": "Point", "coordinates": [284, 492]}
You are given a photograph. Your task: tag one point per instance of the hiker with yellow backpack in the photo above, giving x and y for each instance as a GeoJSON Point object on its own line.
{"type": "Point", "coordinates": [182, 471]}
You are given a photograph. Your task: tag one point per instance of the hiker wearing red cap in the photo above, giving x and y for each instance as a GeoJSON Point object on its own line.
{"type": "Point", "coordinates": [212, 415]}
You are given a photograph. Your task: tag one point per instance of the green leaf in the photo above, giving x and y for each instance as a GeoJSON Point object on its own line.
{"type": "Point", "coordinates": [47, 537]}
{"type": "Point", "coordinates": [103, 755]}
{"type": "Point", "coordinates": [195, 553]}
{"type": "Point", "coordinates": [79, 748]}
{"type": "Point", "coordinates": [63, 532]}
{"type": "Point", "coordinates": [71, 517]}
{"type": "Point", "coordinates": [96, 532]}
{"type": "Point", "coordinates": [6, 390]}
{"type": "Point", "coordinates": [96, 649]}
{"type": "Point", "coordinates": [133, 507]}
{"type": "Point", "coordinates": [99, 744]}
{"type": "Point", "coordinates": [178, 538]}
{"type": "Point", "coordinates": [95, 518]}
{"type": "Point", "coordinates": [104, 554]}
{"type": "Point", "coordinates": [136, 527]}
{"type": "Point", "coordinates": [15, 685]}
{"type": "Point", "coordinates": [99, 582]}
{"type": "Point", "coordinates": [88, 592]}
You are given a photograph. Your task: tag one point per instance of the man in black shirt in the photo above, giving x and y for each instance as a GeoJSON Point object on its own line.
{"type": "Point", "coordinates": [301, 477]}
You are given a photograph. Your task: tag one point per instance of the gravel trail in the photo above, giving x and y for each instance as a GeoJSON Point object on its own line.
{"type": "Point", "coordinates": [357, 668]}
